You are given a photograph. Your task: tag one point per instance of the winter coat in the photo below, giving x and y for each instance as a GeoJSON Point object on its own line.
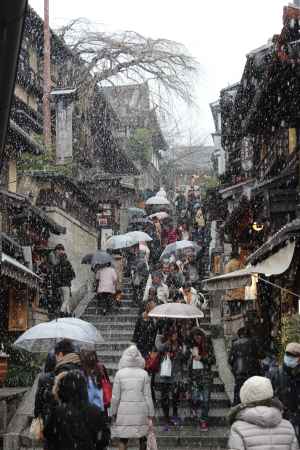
{"type": "Point", "coordinates": [107, 280]}
{"type": "Point", "coordinates": [244, 357]}
{"type": "Point", "coordinates": [194, 298]}
{"type": "Point", "coordinates": [261, 428]}
{"type": "Point", "coordinates": [44, 400]}
{"type": "Point", "coordinates": [73, 424]}
{"type": "Point", "coordinates": [178, 359]}
{"type": "Point", "coordinates": [286, 385]}
{"type": "Point", "coordinates": [131, 400]}
{"type": "Point", "coordinates": [175, 280]}
{"type": "Point", "coordinates": [206, 352]}
{"type": "Point", "coordinates": [62, 272]}
{"type": "Point", "coordinates": [144, 335]}
{"type": "Point", "coordinates": [162, 291]}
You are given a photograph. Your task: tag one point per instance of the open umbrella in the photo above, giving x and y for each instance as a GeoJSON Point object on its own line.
{"type": "Point", "coordinates": [157, 201]}
{"type": "Point", "coordinates": [86, 326]}
{"type": "Point", "coordinates": [161, 215]}
{"type": "Point", "coordinates": [120, 241]}
{"type": "Point", "coordinates": [138, 212]}
{"type": "Point", "coordinates": [177, 311]}
{"type": "Point", "coordinates": [87, 259]}
{"type": "Point", "coordinates": [139, 236]}
{"type": "Point", "coordinates": [101, 258]}
{"type": "Point", "coordinates": [179, 245]}
{"type": "Point", "coordinates": [141, 221]}
{"type": "Point", "coordinates": [42, 337]}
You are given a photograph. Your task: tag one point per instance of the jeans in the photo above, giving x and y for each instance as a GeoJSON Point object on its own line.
{"type": "Point", "coordinates": [200, 398]}
{"type": "Point", "coordinates": [166, 389]}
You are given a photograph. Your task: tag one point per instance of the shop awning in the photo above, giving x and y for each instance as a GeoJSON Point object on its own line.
{"type": "Point", "coordinates": [14, 269]}
{"type": "Point", "coordinates": [275, 264]}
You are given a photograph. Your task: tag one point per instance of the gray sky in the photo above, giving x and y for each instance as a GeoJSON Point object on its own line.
{"type": "Point", "coordinates": [218, 33]}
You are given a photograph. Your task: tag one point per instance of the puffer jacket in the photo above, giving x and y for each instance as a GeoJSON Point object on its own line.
{"type": "Point", "coordinates": [131, 399]}
{"type": "Point", "coordinates": [262, 428]}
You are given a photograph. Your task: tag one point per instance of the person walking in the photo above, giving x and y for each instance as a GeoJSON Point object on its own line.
{"type": "Point", "coordinates": [107, 284]}
{"type": "Point", "coordinates": [201, 359]}
{"type": "Point", "coordinates": [171, 373]}
{"type": "Point", "coordinates": [155, 281]}
{"type": "Point", "coordinates": [65, 360]}
{"type": "Point", "coordinates": [62, 276]}
{"type": "Point", "coordinates": [286, 384]}
{"type": "Point", "coordinates": [74, 424]}
{"type": "Point", "coordinates": [96, 375]}
{"type": "Point", "coordinates": [244, 360]}
{"type": "Point", "coordinates": [257, 422]}
{"type": "Point", "coordinates": [145, 331]}
{"type": "Point", "coordinates": [132, 407]}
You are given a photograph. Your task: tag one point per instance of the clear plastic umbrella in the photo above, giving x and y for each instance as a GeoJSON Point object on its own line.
{"type": "Point", "coordinates": [139, 236]}
{"type": "Point", "coordinates": [157, 201]}
{"type": "Point", "coordinates": [179, 245]}
{"type": "Point", "coordinates": [100, 257]}
{"type": "Point", "coordinates": [42, 337]}
{"type": "Point", "coordinates": [120, 241]}
{"type": "Point", "coordinates": [177, 311]}
{"type": "Point", "coordinates": [161, 215]}
{"type": "Point", "coordinates": [86, 326]}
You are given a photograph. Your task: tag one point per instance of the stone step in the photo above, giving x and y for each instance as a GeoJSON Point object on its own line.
{"type": "Point", "coordinates": [105, 327]}
{"type": "Point", "coordinates": [123, 310]}
{"type": "Point", "coordinates": [127, 318]}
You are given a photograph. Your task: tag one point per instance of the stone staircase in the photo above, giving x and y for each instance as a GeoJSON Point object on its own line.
{"type": "Point", "coordinates": [117, 330]}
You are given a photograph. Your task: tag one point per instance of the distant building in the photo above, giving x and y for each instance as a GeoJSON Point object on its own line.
{"type": "Point", "coordinates": [218, 156]}
{"type": "Point", "coordinates": [138, 132]}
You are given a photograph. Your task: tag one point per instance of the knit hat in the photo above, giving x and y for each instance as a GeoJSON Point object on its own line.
{"type": "Point", "coordinates": [256, 389]}
{"type": "Point", "coordinates": [293, 348]}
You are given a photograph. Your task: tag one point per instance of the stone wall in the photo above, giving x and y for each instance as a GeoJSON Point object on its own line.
{"type": "Point", "coordinates": [78, 241]}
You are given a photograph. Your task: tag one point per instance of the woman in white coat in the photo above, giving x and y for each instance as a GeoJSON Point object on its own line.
{"type": "Point", "coordinates": [132, 406]}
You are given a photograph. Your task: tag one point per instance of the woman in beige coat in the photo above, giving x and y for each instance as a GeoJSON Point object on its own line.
{"type": "Point", "coordinates": [132, 406]}
{"type": "Point", "coordinates": [257, 421]}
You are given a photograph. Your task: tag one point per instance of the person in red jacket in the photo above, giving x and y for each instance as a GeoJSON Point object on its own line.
{"type": "Point", "coordinates": [170, 234]}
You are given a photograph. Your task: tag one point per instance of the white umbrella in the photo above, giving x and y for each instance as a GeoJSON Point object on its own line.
{"type": "Point", "coordinates": [157, 201]}
{"type": "Point", "coordinates": [86, 326]}
{"type": "Point", "coordinates": [160, 215]}
{"type": "Point", "coordinates": [139, 236]}
{"type": "Point", "coordinates": [161, 193]}
{"type": "Point", "coordinates": [42, 337]}
{"type": "Point", "coordinates": [179, 245]}
{"type": "Point", "coordinates": [120, 241]}
{"type": "Point", "coordinates": [177, 311]}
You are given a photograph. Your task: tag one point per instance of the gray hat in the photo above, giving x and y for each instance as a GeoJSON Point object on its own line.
{"type": "Point", "coordinates": [293, 348]}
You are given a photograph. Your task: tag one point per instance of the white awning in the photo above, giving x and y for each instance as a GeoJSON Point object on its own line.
{"type": "Point", "coordinates": [275, 264]}
{"type": "Point", "coordinates": [14, 269]}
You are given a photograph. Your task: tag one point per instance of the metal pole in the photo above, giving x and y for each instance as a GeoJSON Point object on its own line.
{"type": "Point", "coordinates": [47, 79]}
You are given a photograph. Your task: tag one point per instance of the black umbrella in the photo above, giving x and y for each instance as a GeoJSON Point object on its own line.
{"type": "Point", "coordinates": [87, 259]}
{"type": "Point", "coordinates": [99, 258]}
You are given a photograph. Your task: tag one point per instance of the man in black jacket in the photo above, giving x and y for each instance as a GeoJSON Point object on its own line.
{"type": "Point", "coordinates": [62, 276]}
{"type": "Point", "coordinates": [244, 360]}
{"type": "Point", "coordinates": [286, 384]}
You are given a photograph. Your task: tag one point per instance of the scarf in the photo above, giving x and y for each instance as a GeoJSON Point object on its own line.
{"type": "Point", "coordinates": [70, 358]}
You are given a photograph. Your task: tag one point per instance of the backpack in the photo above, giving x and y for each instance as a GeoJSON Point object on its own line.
{"type": "Point", "coordinates": [95, 394]}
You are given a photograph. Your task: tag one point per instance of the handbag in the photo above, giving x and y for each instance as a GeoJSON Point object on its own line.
{"type": "Point", "coordinates": [152, 362]}
{"type": "Point", "coordinates": [151, 440]}
{"type": "Point", "coordinates": [166, 367]}
{"type": "Point", "coordinates": [107, 392]}
{"type": "Point", "coordinates": [37, 429]}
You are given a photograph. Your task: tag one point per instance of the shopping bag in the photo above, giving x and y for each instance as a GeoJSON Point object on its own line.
{"type": "Point", "coordinates": [197, 365]}
{"type": "Point", "coordinates": [166, 367]}
{"type": "Point", "coordinates": [37, 429]}
{"type": "Point", "coordinates": [151, 440]}
{"type": "Point", "coordinates": [107, 392]}
{"type": "Point", "coordinates": [152, 362]}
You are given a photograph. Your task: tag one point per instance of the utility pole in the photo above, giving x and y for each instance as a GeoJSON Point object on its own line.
{"type": "Point", "coordinates": [47, 79]}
